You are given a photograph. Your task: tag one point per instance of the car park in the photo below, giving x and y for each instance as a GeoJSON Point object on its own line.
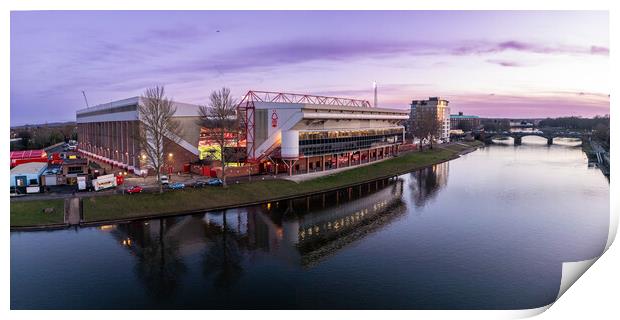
{"type": "Point", "coordinates": [200, 184]}
{"type": "Point", "coordinates": [176, 186]}
{"type": "Point", "coordinates": [215, 182]}
{"type": "Point", "coordinates": [134, 189]}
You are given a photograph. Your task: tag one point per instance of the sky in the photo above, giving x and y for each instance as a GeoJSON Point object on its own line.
{"type": "Point", "coordinates": [487, 63]}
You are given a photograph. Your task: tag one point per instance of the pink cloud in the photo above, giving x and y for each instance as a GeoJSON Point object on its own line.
{"type": "Point", "coordinates": [549, 105]}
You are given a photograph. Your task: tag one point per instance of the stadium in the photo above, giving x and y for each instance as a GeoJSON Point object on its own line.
{"type": "Point", "coordinates": [280, 133]}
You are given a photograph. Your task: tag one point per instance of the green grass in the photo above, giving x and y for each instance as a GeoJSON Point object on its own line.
{"type": "Point", "coordinates": [30, 213]}
{"type": "Point", "coordinates": [127, 206]}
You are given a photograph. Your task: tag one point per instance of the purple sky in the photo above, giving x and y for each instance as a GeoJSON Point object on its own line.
{"type": "Point", "coordinates": [490, 63]}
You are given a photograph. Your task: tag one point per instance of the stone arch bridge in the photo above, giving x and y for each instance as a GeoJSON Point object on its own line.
{"type": "Point", "coordinates": [517, 136]}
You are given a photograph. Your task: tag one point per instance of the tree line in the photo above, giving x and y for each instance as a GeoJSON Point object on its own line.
{"type": "Point", "coordinates": [599, 126]}
{"type": "Point", "coordinates": [576, 123]}
{"type": "Point", "coordinates": [39, 137]}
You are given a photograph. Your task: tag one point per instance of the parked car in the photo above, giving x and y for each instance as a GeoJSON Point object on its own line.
{"type": "Point", "coordinates": [201, 184]}
{"type": "Point", "coordinates": [215, 182]}
{"type": "Point", "coordinates": [164, 180]}
{"type": "Point", "coordinates": [134, 189]}
{"type": "Point", "coordinates": [176, 186]}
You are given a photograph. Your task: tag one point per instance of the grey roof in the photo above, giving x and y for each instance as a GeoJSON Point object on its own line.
{"type": "Point", "coordinates": [29, 168]}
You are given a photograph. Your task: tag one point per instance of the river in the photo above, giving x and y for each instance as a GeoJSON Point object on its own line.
{"type": "Point", "coordinates": [489, 230]}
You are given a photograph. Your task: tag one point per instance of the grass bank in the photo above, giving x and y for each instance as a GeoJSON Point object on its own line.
{"type": "Point", "coordinates": [142, 205]}
{"type": "Point", "coordinates": [120, 207]}
{"type": "Point", "coordinates": [32, 213]}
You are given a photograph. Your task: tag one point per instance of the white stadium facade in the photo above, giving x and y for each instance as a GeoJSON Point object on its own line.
{"type": "Point", "coordinates": [305, 133]}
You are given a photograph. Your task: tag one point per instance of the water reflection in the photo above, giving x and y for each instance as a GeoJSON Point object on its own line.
{"type": "Point", "coordinates": [426, 183]}
{"type": "Point", "coordinates": [308, 230]}
{"type": "Point", "coordinates": [156, 246]}
{"type": "Point", "coordinates": [302, 231]}
{"type": "Point", "coordinates": [222, 258]}
{"type": "Point", "coordinates": [493, 237]}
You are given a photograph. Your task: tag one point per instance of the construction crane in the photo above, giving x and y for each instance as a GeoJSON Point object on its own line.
{"type": "Point", "coordinates": [84, 94]}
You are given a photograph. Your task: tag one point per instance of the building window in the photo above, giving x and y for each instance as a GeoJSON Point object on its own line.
{"type": "Point", "coordinates": [314, 143]}
{"type": "Point", "coordinates": [74, 169]}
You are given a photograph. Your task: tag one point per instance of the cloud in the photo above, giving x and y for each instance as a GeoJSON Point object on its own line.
{"type": "Point", "coordinates": [49, 69]}
{"type": "Point", "coordinates": [541, 104]}
{"type": "Point", "coordinates": [391, 91]}
{"type": "Point", "coordinates": [531, 47]}
{"type": "Point", "coordinates": [599, 50]}
{"type": "Point", "coordinates": [505, 63]}
{"type": "Point", "coordinates": [272, 55]}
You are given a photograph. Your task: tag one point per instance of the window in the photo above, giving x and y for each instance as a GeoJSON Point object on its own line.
{"type": "Point", "coordinates": [74, 169]}
{"type": "Point", "coordinates": [329, 142]}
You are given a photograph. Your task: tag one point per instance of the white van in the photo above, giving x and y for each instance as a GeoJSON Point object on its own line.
{"type": "Point", "coordinates": [164, 180]}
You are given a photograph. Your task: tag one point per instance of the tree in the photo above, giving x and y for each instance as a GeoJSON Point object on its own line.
{"type": "Point", "coordinates": [25, 137]}
{"type": "Point", "coordinates": [158, 128]}
{"type": "Point", "coordinates": [601, 133]}
{"type": "Point", "coordinates": [465, 126]}
{"type": "Point", "coordinates": [426, 126]}
{"type": "Point", "coordinates": [220, 119]}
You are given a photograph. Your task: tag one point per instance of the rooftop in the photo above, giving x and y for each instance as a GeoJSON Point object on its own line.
{"type": "Point", "coordinates": [29, 168]}
{"type": "Point", "coordinates": [437, 99]}
{"type": "Point", "coordinates": [78, 161]}
{"type": "Point", "coordinates": [26, 154]}
{"type": "Point", "coordinates": [183, 109]}
{"type": "Point", "coordinates": [462, 116]}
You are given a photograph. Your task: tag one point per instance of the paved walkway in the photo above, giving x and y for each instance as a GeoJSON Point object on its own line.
{"type": "Point", "coordinates": [72, 211]}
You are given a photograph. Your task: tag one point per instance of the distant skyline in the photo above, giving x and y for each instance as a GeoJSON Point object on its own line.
{"type": "Point", "coordinates": [488, 63]}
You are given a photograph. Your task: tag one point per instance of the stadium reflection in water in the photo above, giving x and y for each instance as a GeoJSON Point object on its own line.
{"type": "Point", "coordinates": [302, 231]}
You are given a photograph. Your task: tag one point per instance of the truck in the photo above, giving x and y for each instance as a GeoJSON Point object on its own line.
{"type": "Point", "coordinates": [104, 182]}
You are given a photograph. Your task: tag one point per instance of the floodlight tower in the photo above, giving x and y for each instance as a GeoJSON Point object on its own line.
{"type": "Point", "coordinates": [86, 100]}
{"type": "Point", "coordinates": [374, 86]}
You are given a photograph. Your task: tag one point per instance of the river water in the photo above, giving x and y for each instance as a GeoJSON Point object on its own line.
{"type": "Point", "coordinates": [489, 230]}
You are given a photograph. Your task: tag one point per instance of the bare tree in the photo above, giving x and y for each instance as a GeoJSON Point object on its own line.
{"type": "Point", "coordinates": [158, 128]}
{"type": "Point", "coordinates": [220, 119]}
{"type": "Point", "coordinates": [426, 126]}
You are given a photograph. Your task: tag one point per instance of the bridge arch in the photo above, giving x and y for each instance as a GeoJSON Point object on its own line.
{"type": "Point", "coordinates": [518, 136]}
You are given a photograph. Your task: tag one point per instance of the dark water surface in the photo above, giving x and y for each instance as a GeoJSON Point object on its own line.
{"type": "Point", "coordinates": [487, 231]}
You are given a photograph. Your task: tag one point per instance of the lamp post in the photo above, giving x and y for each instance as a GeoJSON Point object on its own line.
{"type": "Point", "coordinates": [170, 160]}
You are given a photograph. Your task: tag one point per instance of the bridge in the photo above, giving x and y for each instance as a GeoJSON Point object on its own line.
{"type": "Point", "coordinates": [518, 135]}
